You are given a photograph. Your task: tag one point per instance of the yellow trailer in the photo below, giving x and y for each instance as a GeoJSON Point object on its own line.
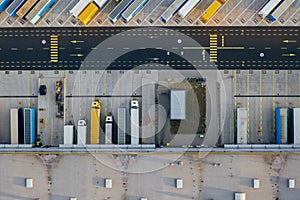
{"type": "Point", "coordinates": [88, 13]}
{"type": "Point", "coordinates": [95, 122]}
{"type": "Point", "coordinates": [212, 9]}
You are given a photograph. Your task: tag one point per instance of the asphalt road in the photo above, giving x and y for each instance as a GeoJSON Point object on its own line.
{"type": "Point", "coordinates": [118, 48]}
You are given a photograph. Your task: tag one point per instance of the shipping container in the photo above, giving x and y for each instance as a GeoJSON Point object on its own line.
{"type": "Point", "coordinates": [116, 13]}
{"type": "Point", "coordinates": [187, 8]}
{"type": "Point", "coordinates": [280, 10]}
{"type": "Point", "coordinates": [29, 126]}
{"type": "Point", "coordinates": [239, 196]}
{"type": "Point", "coordinates": [242, 125]}
{"type": "Point", "coordinates": [133, 9]}
{"type": "Point", "coordinates": [108, 183]}
{"type": "Point", "coordinates": [29, 183]}
{"type": "Point", "coordinates": [179, 183]}
{"type": "Point", "coordinates": [178, 105]}
{"type": "Point", "coordinates": [108, 129]}
{"type": "Point", "coordinates": [88, 13]}
{"type": "Point", "coordinates": [267, 9]}
{"type": "Point", "coordinates": [81, 130]}
{"type": "Point", "coordinates": [212, 9]}
{"type": "Point", "coordinates": [79, 7]}
{"type": "Point", "coordinates": [134, 116]}
{"type": "Point", "coordinates": [4, 4]}
{"type": "Point", "coordinates": [95, 122]}
{"type": "Point", "coordinates": [68, 134]}
{"type": "Point", "coordinates": [171, 10]}
{"type": "Point", "coordinates": [16, 126]}
{"type": "Point", "coordinates": [291, 183]}
{"type": "Point", "coordinates": [256, 183]}
{"type": "Point", "coordinates": [122, 125]}
{"type": "Point", "coordinates": [14, 7]}
{"type": "Point", "coordinates": [28, 5]}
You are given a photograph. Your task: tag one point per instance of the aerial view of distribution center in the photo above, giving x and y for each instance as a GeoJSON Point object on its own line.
{"type": "Point", "coordinates": [150, 99]}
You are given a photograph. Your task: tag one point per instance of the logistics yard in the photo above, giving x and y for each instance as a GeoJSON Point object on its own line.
{"type": "Point", "coordinates": [149, 99]}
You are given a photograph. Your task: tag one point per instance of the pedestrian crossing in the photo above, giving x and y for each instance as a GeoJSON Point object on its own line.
{"type": "Point", "coordinates": [54, 48]}
{"type": "Point", "coordinates": [213, 47]}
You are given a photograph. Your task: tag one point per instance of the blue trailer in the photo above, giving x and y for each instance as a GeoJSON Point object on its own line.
{"type": "Point", "coordinates": [14, 7]}
{"type": "Point", "coordinates": [277, 126]}
{"type": "Point", "coordinates": [29, 126]}
{"type": "Point", "coordinates": [4, 4]}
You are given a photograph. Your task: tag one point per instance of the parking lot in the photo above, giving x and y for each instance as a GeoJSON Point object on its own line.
{"type": "Point", "coordinates": [152, 175]}
{"type": "Point", "coordinates": [233, 13]}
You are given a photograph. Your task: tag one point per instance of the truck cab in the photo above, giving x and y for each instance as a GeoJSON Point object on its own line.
{"type": "Point", "coordinates": [134, 104]}
{"type": "Point", "coordinates": [96, 104]}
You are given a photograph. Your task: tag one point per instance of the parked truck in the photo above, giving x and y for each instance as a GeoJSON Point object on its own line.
{"type": "Point", "coordinates": [95, 122]}
{"type": "Point", "coordinates": [134, 111]}
{"type": "Point", "coordinates": [81, 130]}
{"type": "Point", "coordinates": [108, 129]}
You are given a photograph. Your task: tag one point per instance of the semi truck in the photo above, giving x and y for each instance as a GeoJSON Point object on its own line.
{"type": "Point", "coordinates": [134, 111]}
{"type": "Point", "coordinates": [187, 7]}
{"type": "Point", "coordinates": [81, 130]}
{"type": "Point", "coordinates": [88, 13]}
{"type": "Point", "coordinates": [280, 10]}
{"type": "Point", "coordinates": [95, 122]}
{"type": "Point", "coordinates": [108, 129]}
{"type": "Point", "coordinates": [267, 9]}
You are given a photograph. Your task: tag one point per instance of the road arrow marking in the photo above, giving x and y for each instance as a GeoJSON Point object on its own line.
{"type": "Point", "coordinates": [289, 41]}
{"type": "Point", "coordinates": [289, 55]}
{"type": "Point", "coordinates": [77, 55]}
{"type": "Point", "coordinates": [76, 41]}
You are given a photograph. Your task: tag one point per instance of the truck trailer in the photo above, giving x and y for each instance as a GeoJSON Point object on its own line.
{"type": "Point", "coordinates": [16, 126]}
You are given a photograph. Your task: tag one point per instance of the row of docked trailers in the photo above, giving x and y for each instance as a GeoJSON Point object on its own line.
{"type": "Point", "coordinates": [287, 125]}
{"type": "Point", "coordinates": [22, 126]}
{"type": "Point", "coordinates": [32, 10]}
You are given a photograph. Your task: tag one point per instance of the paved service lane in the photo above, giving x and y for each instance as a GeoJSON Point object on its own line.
{"type": "Point", "coordinates": [128, 47]}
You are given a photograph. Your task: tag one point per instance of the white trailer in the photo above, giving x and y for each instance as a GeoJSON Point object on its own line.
{"type": "Point", "coordinates": [187, 7]}
{"type": "Point", "coordinates": [242, 126]}
{"type": "Point", "coordinates": [108, 129]}
{"type": "Point", "coordinates": [81, 131]}
{"type": "Point", "coordinates": [108, 183]}
{"type": "Point", "coordinates": [265, 11]}
{"type": "Point", "coordinates": [79, 7]}
{"type": "Point", "coordinates": [68, 134]}
{"type": "Point", "coordinates": [134, 111]}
